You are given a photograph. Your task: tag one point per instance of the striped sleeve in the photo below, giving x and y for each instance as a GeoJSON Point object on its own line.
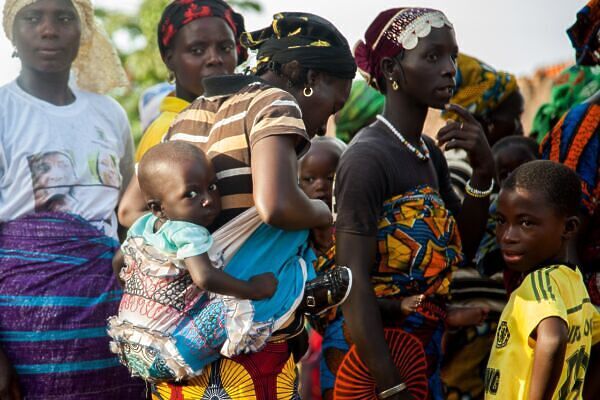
{"type": "Point", "coordinates": [538, 298]}
{"type": "Point", "coordinates": [275, 112]}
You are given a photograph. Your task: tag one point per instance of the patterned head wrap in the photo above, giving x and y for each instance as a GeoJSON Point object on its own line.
{"type": "Point", "coordinates": [309, 39]}
{"type": "Point", "coordinates": [179, 13]}
{"type": "Point", "coordinates": [95, 48]}
{"type": "Point", "coordinates": [479, 87]}
{"type": "Point", "coordinates": [585, 34]}
{"type": "Point", "coordinates": [391, 32]}
{"type": "Point", "coordinates": [361, 108]}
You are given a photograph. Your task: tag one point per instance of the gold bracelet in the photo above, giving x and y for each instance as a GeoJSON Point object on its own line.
{"type": "Point", "coordinates": [392, 391]}
{"type": "Point", "coordinates": [479, 194]}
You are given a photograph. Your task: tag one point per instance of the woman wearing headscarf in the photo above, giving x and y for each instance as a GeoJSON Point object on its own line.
{"type": "Point", "coordinates": [575, 142]}
{"type": "Point", "coordinates": [196, 39]}
{"type": "Point", "coordinates": [399, 224]}
{"type": "Point", "coordinates": [254, 128]}
{"type": "Point", "coordinates": [65, 154]}
{"type": "Point", "coordinates": [494, 99]}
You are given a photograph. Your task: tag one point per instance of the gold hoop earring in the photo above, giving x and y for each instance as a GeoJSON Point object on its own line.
{"type": "Point", "coordinates": [308, 92]}
{"type": "Point", "coordinates": [395, 86]}
{"type": "Point", "coordinates": [171, 78]}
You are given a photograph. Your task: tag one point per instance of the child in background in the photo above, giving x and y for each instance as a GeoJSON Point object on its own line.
{"type": "Point", "coordinates": [316, 171]}
{"type": "Point", "coordinates": [509, 153]}
{"type": "Point", "coordinates": [548, 327]}
{"type": "Point", "coordinates": [168, 273]}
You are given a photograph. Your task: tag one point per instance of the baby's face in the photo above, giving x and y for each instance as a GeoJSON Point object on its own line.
{"type": "Point", "coordinates": [317, 170]}
{"type": "Point", "coordinates": [190, 193]}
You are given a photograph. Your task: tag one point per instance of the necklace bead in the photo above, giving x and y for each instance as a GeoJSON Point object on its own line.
{"type": "Point", "coordinates": [423, 156]}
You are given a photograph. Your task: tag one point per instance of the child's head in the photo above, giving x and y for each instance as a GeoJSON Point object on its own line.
{"type": "Point", "coordinates": [317, 168]}
{"type": "Point", "coordinates": [511, 152]}
{"type": "Point", "coordinates": [537, 214]}
{"type": "Point", "coordinates": [179, 183]}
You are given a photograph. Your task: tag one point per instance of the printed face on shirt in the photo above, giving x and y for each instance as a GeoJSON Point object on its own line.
{"type": "Point", "coordinates": [204, 47]}
{"type": "Point", "coordinates": [108, 171]}
{"type": "Point", "coordinates": [47, 34]}
{"type": "Point", "coordinates": [529, 230]}
{"type": "Point", "coordinates": [190, 193]}
{"type": "Point", "coordinates": [317, 170]}
{"type": "Point", "coordinates": [53, 177]}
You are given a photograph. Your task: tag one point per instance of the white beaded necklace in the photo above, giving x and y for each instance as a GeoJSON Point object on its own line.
{"type": "Point", "coordinates": [421, 156]}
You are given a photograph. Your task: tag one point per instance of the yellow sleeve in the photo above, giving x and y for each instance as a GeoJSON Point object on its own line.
{"type": "Point", "coordinates": [596, 327]}
{"type": "Point", "coordinates": [538, 298]}
{"type": "Point", "coordinates": [154, 134]}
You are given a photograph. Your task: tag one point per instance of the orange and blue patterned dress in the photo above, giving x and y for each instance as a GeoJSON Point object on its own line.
{"type": "Point", "coordinates": [418, 248]}
{"type": "Point", "coordinates": [575, 142]}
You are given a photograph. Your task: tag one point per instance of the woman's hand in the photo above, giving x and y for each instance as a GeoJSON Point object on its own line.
{"type": "Point", "coordinates": [468, 135]}
{"type": "Point", "coordinates": [410, 304]}
{"type": "Point", "coordinates": [9, 385]}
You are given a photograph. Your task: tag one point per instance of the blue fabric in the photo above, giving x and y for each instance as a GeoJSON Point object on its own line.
{"type": "Point", "coordinates": [200, 336]}
{"type": "Point", "coordinates": [274, 250]}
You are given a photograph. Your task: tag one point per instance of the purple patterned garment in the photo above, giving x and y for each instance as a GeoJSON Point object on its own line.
{"type": "Point", "coordinates": [57, 289]}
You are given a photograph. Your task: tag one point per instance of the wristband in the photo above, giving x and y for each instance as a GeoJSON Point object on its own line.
{"type": "Point", "coordinates": [479, 194]}
{"type": "Point", "coordinates": [392, 391]}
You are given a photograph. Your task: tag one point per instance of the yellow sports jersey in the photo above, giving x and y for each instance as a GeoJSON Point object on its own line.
{"type": "Point", "coordinates": [554, 291]}
{"type": "Point", "coordinates": [170, 107]}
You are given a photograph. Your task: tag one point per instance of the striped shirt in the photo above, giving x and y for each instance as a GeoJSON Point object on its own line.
{"type": "Point", "coordinates": [234, 114]}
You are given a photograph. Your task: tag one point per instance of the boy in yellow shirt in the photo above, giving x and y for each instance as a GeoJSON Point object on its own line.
{"type": "Point", "coordinates": [545, 334]}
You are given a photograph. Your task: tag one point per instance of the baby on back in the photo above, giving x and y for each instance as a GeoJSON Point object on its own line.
{"type": "Point", "coordinates": [168, 327]}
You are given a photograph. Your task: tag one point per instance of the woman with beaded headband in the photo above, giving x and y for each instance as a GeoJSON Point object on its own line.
{"type": "Point", "coordinates": [399, 224]}
{"type": "Point", "coordinates": [65, 154]}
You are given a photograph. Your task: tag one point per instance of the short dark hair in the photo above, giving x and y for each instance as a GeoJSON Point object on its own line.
{"type": "Point", "coordinates": [526, 143]}
{"type": "Point", "coordinates": [559, 184]}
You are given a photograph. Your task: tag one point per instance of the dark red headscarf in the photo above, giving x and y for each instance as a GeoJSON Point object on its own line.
{"type": "Point", "coordinates": [391, 32]}
{"type": "Point", "coordinates": [181, 12]}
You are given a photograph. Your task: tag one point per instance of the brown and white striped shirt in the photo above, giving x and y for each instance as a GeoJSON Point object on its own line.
{"type": "Point", "coordinates": [235, 113]}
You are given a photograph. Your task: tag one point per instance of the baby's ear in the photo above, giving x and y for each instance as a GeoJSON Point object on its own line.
{"type": "Point", "coordinates": [571, 227]}
{"type": "Point", "coordinates": [156, 208]}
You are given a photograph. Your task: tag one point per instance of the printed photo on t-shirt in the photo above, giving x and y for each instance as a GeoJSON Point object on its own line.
{"type": "Point", "coordinates": [54, 178]}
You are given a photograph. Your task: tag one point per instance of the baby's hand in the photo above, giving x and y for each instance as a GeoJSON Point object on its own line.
{"type": "Point", "coordinates": [410, 304]}
{"type": "Point", "coordinates": [263, 286]}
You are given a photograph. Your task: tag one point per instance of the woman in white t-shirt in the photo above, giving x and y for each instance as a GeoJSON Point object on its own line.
{"type": "Point", "coordinates": [65, 155]}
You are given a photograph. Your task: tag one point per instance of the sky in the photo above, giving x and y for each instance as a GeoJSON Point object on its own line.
{"type": "Point", "coordinates": [518, 36]}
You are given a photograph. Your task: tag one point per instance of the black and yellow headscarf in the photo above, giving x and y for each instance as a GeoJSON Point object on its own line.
{"type": "Point", "coordinates": [309, 39]}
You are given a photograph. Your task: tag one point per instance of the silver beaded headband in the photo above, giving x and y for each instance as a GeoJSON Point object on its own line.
{"type": "Point", "coordinates": [411, 24]}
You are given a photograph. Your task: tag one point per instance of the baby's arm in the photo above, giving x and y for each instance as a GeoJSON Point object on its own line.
{"type": "Point", "coordinates": [212, 279]}
{"type": "Point", "coordinates": [551, 336]}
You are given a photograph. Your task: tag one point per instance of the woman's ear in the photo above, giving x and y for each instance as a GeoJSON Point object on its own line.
{"type": "Point", "coordinates": [571, 227]}
{"type": "Point", "coordinates": [167, 58]}
{"type": "Point", "coordinates": [387, 67]}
